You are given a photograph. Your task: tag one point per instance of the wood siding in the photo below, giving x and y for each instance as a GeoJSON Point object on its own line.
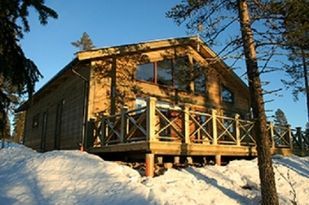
{"type": "Point", "coordinates": [63, 108]}
{"type": "Point", "coordinates": [127, 89]}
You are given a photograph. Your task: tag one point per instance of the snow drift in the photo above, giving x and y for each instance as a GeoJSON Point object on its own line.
{"type": "Point", "coordinates": [74, 177]}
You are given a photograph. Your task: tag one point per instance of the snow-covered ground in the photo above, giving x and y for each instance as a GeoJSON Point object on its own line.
{"type": "Point", "coordinates": [74, 177]}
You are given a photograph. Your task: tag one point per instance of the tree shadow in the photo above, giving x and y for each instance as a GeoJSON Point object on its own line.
{"type": "Point", "coordinates": [298, 167]}
{"type": "Point", "coordinates": [228, 192]}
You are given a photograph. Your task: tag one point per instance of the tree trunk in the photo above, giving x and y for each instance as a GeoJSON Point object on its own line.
{"type": "Point", "coordinates": [263, 141]}
{"type": "Point", "coordinates": [306, 80]}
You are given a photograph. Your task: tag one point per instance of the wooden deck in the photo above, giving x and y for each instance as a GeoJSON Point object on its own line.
{"type": "Point", "coordinates": [163, 130]}
{"type": "Point", "coordinates": [181, 149]}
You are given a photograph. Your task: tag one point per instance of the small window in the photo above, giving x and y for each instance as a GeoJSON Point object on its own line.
{"type": "Point", "coordinates": [164, 69]}
{"type": "Point", "coordinates": [227, 95]}
{"type": "Point", "coordinates": [35, 121]}
{"type": "Point", "coordinates": [145, 72]}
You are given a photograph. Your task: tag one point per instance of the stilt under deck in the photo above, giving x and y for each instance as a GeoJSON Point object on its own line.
{"type": "Point", "coordinates": [164, 131]}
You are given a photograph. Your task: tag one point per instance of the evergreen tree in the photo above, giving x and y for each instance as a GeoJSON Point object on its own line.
{"type": "Point", "coordinates": [85, 43]}
{"type": "Point", "coordinates": [18, 124]}
{"type": "Point", "coordinates": [218, 17]}
{"type": "Point", "coordinates": [15, 68]}
{"type": "Point", "coordinates": [280, 118]}
{"type": "Point", "coordinates": [295, 35]}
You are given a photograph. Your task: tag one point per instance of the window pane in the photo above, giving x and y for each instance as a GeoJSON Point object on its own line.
{"type": "Point", "coordinates": [199, 79]}
{"type": "Point", "coordinates": [164, 72]}
{"type": "Point", "coordinates": [145, 72]}
{"type": "Point", "coordinates": [181, 73]}
{"type": "Point", "coordinates": [227, 95]}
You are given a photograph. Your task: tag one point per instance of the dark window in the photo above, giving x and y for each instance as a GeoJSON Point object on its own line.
{"type": "Point", "coordinates": [181, 73]}
{"type": "Point", "coordinates": [35, 121]}
{"type": "Point", "coordinates": [164, 70]}
{"type": "Point", "coordinates": [169, 72]}
{"type": "Point", "coordinates": [227, 95]}
{"type": "Point", "coordinates": [199, 79]}
{"type": "Point", "coordinates": [145, 72]}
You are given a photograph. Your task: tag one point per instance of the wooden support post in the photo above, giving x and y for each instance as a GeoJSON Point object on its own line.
{"type": "Point", "coordinates": [189, 160]}
{"type": "Point", "coordinates": [176, 160]}
{"type": "Point", "coordinates": [218, 159]}
{"type": "Point", "coordinates": [186, 124]}
{"type": "Point", "coordinates": [272, 135]}
{"type": "Point", "coordinates": [290, 137]}
{"type": "Point", "coordinates": [214, 127]}
{"type": "Point", "coordinates": [160, 160]}
{"type": "Point", "coordinates": [123, 131]}
{"type": "Point", "coordinates": [237, 130]}
{"type": "Point", "coordinates": [151, 119]}
{"type": "Point", "coordinates": [149, 172]}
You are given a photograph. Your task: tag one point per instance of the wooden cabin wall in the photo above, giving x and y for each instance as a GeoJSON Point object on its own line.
{"type": "Point", "coordinates": [99, 88]}
{"type": "Point", "coordinates": [66, 98]}
{"type": "Point", "coordinates": [127, 89]}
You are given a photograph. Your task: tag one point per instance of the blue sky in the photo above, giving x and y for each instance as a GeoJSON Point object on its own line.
{"type": "Point", "coordinates": [118, 22]}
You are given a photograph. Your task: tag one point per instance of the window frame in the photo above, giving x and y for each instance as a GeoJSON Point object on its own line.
{"type": "Point", "coordinates": [173, 62]}
{"type": "Point", "coordinates": [225, 88]}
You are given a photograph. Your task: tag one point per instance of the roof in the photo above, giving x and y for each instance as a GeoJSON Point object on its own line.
{"type": "Point", "coordinates": [193, 41]}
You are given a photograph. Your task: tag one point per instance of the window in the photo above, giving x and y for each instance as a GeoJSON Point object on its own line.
{"type": "Point", "coordinates": [199, 79]}
{"type": "Point", "coordinates": [227, 95]}
{"type": "Point", "coordinates": [145, 72]}
{"type": "Point", "coordinates": [164, 70]}
{"type": "Point", "coordinates": [173, 72]}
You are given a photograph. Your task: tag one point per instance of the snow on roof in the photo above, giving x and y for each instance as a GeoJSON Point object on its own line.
{"type": "Point", "coordinates": [74, 177]}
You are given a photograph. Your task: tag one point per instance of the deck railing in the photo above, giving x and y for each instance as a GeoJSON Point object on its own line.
{"type": "Point", "coordinates": [158, 123]}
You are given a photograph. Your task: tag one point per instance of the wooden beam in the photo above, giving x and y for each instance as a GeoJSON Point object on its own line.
{"type": "Point", "coordinates": [113, 86]}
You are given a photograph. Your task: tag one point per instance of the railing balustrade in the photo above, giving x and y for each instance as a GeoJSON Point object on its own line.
{"type": "Point", "coordinates": [169, 124]}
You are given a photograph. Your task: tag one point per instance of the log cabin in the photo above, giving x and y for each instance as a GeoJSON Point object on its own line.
{"type": "Point", "coordinates": [171, 97]}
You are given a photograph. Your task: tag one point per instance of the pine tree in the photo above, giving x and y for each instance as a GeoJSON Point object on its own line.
{"type": "Point", "coordinates": [280, 118]}
{"type": "Point", "coordinates": [18, 124]}
{"type": "Point", "coordinates": [217, 17]}
{"type": "Point", "coordinates": [295, 35]}
{"type": "Point", "coordinates": [15, 68]}
{"type": "Point", "coordinates": [85, 43]}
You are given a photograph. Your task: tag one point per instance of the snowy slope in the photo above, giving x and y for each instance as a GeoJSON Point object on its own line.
{"type": "Point", "coordinates": [73, 177]}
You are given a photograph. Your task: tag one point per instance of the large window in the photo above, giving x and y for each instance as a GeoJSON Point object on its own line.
{"type": "Point", "coordinates": [176, 72]}
{"type": "Point", "coordinates": [227, 95]}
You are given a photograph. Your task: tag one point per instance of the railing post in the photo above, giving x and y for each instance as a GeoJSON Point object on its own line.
{"type": "Point", "coordinates": [290, 137]}
{"type": "Point", "coordinates": [186, 124]}
{"type": "Point", "coordinates": [151, 118]}
{"type": "Point", "coordinates": [214, 127]}
{"type": "Point", "coordinates": [103, 131]}
{"type": "Point", "coordinates": [123, 124]}
{"type": "Point", "coordinates": [272, 136]}
{"type": "Point", "coordinates": [237, 130]}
